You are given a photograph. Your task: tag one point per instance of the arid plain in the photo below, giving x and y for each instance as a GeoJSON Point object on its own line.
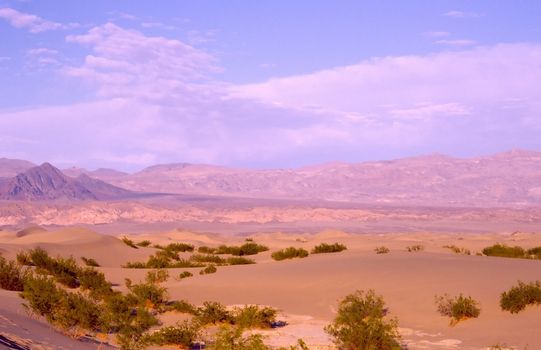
{"type": "Point", "coordinates": [74, 221]}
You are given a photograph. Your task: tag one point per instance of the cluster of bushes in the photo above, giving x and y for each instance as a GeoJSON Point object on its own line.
{"type": "Point", "coordinates": [63, 270]}
{"type": "Point", "coordinates": [248, 248]}
{"type": "Point", "coordinates": [458, 308]}
{"type": "Point", "coordinates": [90, 262]}
{"type": "Point", "coordinates": [362, 323]}
{"type": "Point", "coordinates": [458, 250]}
{"type": "Point", "coordinates": [12, 276]}
{"type": "Point", "coordinates": [208, 270]}
{"type": "Point", "coordinates": [415, 248]}
{"type": "Point", "coordinates": [518, 297]}
{"type": "Point", "coordinates": [328, 248]}
{"type": "Point", "coordinates": [382, 250]}
{"type": "Point", "coordinates": [289, 253]}
{"type": "Point", "coordinates": [505, 251]}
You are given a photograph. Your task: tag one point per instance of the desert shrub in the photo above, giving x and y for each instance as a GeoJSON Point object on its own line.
{"type": "Point", "coordinates": [518, 297]}
{"type": "Point", "coordinates": [206, 250]}
{"type": "Point", "coordinates": [328, 248]}
{"type": "Point", "coordinates": [64, 270]}
{"type": "Point", "coordinates": [183, 335]}
{"type": "Point", "coordinates": [499, 346]}
{"type": "Point", "coordinates": [129, 242]}
{"type": "Point", "coordinates": [90, 262]}
{"type": "Point", "coordinates": [362, 324]}
{"type": "Point", "coordinates": [253, 316]}
{"type": "Point", "coordinates": [249, 239]}
{"type": "Point", "coordinates": [505, 251]}
{"type": "Point", "coordinates": [182, 306]}
{"type": "Point", "coordinates": [185, 274]}
{"type": "Point", "coordinates": [75, 313]}
{"type": "Point", "coordinates": [12, 275]}
{"type": "Point", "coordinates": [203, 258]}
{"type": "Point", "coordinates": [179, 247]}
{"type": "Point", "coordinates": [239, 260]}
{"type": "Point", "coordinates": [228, 338]}
{"type": "Point", "coordinates": [208, 270]}
{"type": "Point", "coordinates": [41, 294]}
{"type": "Point", "coordinates": [458, 250]}
{"type": "Point", "coordinates": [95, 282]}
{"type": "Point", "coordinates": [382, 250]}
{"type": "Point", "coordinates": [144, 244]}
{"type": "Point", "coordinates": [212, 312]}
{"type": "Point", "coordinates": [289, 253]}
{"type": "Point", "coordinates": [23, 258]}
{"type": "Point", "coordinates": [534, 253]}
{"type": "Point", "coordinates": [458, 308]}
{"type": "Point", "coordinates": [135, 265]}
{"type": "Point", "coordinates": [248, 248]}
{"type": "Point", "coordinates": [415, 248]}
{"type": "Point", "coordinates": [150, 293]}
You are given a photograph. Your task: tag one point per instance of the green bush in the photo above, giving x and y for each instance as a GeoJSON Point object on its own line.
{"type": "Point", "coordinates": [328, 248]}
{"type": "Point", "coordinates": [289, 253]}
{"type": "Point", "coordinates": [228, 338]}
{"type": "Point", "coordinates": [382, 250]}
{"type": "Point", "coordinates": [184, 334]}
{"type": "Point", "coordinates": [202, 258]}
{"type": "Point", "coordinates": [361, 324]}
{"type": "Point", "coordinates": [150, 293]}
{"type": "Point", "coordinates": [64, 270]}
{"type": "Point", "coordinates": [248, 248]}
{"type": "Point", "coordinates": [12, 276]}
{"type": "Point", "coordinates": [183, 307]}
{"type": "Point", "coordinates": [144, 244]}
{"type": "Point", "coordinates": [185, 274]}
{"type": "Point", "coordinates": [90, 262]}
{"type": "Point", "coordinates": [95, 282]}
{"type": "Point", "coordinates": [239, 260]}
{"type": "Point", "coordinates": [504, 251]}
{"type": "Point", "coordinates": [213, 312]}
{"type": "Point", "coordinates": [179, 247]}
{"type": "Point", "coordinates": [518, 297]}
{"type": "Point", "coordinates": [208, 270]}
{"type": "Point", "coordinates": [458, 308]}
{"type": "Point", "coordinates": [129, 242]}
{"type": "Point", "coordinates": [253, 316]}
{"type": "Point", "coordinates": [206, 250]}
{"type": "Point", "coordinates": [415, 248]}
{"type": "Point", "coordinates": [534, 253]}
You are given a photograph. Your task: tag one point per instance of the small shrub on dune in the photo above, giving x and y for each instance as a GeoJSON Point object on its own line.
{"type": "Point", "coordinates": [185, 274]}
{"type": "Point", "coordinates": [415, 248]}
{"type": "Point", "coordinates": [12, 275]}
{"type": "Point", "coordinates": [129, 242]}
{"type": "Point", "coordinates": [179, 247]}
{"type": "Point", "coordinates": [212, 312]}
{"type": "Point", "coordinates": [289, 253]}
{"type": "Point", "coordinates": [206, 250]}
{"type": "Point", "coordinates": [253, 316]}
{"type": "Point", "coordinates": [229, 338]}
{"type": "Point", "coordinates": [518, 297]}
{"type": "Point", "coordinates": [183, 307]}
{"type": "Point", "coordinates": [239, 260]}
{"type": "Point", "coordinates": [505, 251]}
{"type": "Point", "coordinates": [144, 244]}
{"type": "Point", "coordinates": [95, 282]}
{"type": "Point", "coordinates": [184, 334]}
{"type": "Point", "coordinates": [151, 293]}
{"type": "Point", "coordinates": [208, 270]}
{"type": "Point", "coordinates": [458, 308]}
{"type": "Point", "coordinates": [328, 248]}
{"type": "Point", "coordinates": [203, 258]}
{"type": "Point", "coordinates": [248, 248]}
{"type": "Point", "coordinates": [90, 262]}
{"type": "Point", "coordinates": [64, 270]}
{"type": "Point", "coordinates": [382, 250]}
{"type": "Point", "coordinates": [361, 323]}
{"type": "Point", "coordinates": [458, 250]}
{"type": "Point", "coordinates": [534, 253]}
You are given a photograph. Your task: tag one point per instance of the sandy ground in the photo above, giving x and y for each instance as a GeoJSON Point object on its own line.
{"type": "Point", "coordinates": [306, 291]}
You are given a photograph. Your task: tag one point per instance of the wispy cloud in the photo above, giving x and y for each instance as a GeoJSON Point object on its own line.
{"type": "Point", "coordinates": [457, 42]}
{"type": "Point", "coordinates": [437, 34]}
{"type": "Point", "coordinates": [32, 23]}
{"type": "Point", "coordinates": [463, 14]}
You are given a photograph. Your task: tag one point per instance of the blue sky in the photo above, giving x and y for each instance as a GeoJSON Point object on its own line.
{"type": "Point", "coordinates": [127, 84]}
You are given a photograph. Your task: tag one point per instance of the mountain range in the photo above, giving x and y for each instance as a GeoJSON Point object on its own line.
{"type": "Point", "coordinates": [505, 179]}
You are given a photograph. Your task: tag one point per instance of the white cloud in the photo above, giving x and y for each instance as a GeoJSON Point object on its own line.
{"type": "Point", "coordinates": [457, 42]}
{"type": "Point", "coordinates": [32, 23]}
{"type": "Point", "coordinates": [462, 14]}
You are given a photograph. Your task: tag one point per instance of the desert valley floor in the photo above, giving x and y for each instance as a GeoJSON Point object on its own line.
{"type": "Point", "coordinates": [306, 291]}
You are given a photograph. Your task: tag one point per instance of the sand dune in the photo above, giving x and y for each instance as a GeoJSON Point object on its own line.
{"type": "Point", "coordinates": [306, 291]}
